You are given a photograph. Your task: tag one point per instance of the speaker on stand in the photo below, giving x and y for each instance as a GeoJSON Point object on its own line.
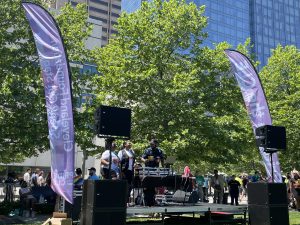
{"type": "Point", "coordinates": [113, 122]}
{"type": "Point", "coordinates": [271, 139]}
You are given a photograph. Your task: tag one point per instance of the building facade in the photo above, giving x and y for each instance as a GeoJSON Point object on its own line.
{"type": "Point", "coordinates": [274, 22]}
{"type": "Point", "coordinates": [267, 22]}
{"type": "Point", "coordinates": [106, 11]}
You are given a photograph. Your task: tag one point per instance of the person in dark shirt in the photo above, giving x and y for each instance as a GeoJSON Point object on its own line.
{"type": "Point", "coordinates": [153, 155]}
{"type": "Point", "coordinates": [234, 186]}
{"type": "Point", "coordinates": [245, 182]}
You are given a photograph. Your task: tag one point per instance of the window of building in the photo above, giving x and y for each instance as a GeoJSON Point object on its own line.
{"type": "Point", "coordinates": [98, 10]}
{"type": "Point", "coordinates": [100, 2]}
{"type": "Point", "coordinates": [116, 6]}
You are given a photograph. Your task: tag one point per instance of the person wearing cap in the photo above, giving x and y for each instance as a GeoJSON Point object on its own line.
{"type": "Point", "coordinates": [92, 174]}
{"type": "Point", "coordinates": [153, 155]}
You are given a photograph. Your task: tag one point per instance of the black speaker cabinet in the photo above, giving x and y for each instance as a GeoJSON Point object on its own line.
{"type": "Point", "coordinates": [104, 202]}
{"type": "Point", "coordinates": [113, 121]}
{"type": "Point", "coordinates": [268, 214]}
{"type": "Point", "coordinates": [151, 182]}
{"type": "Point", "coordinates": [105, 216]}
{"type": "Point", "coordinates": [271, 137]}
{"type": "Point", "coordinates": [267, 194]}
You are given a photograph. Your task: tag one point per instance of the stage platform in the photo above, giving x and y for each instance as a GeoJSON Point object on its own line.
{"type": "Point", "coordinates": [199, 208]}
{"type": "Point", "coordinates": [208, 212]}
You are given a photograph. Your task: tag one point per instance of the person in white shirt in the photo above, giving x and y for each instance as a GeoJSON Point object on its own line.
{"type": "Point", "coordinates": [34, 177]}
{"type": "Point", "coordinates": [41, 179]}
{"type": "Point", "coordinates": [105, 161]}
{"type": "Point", "coordinates": [127, 160]}
{"type": "Point", "coordinates": [27, 177]}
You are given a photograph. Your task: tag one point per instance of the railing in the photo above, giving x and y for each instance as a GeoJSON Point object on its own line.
{"type": "Point", "coordinates": [156, 171]}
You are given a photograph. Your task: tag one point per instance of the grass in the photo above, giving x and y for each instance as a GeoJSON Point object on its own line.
{"type": "Point", "coordinates": [294, 218]}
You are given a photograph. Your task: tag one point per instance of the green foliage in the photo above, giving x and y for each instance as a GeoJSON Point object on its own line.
{"type": "Point", "coordinates": [21, 124]}
{"type": "Point", "coordinates": [75, 30]}
{"type": "Point", "coordinates": [23, 118]}
{"type": "Point", "coordinates": [281, 80]}
{"type": "Point", "coordinates": [179, 92]}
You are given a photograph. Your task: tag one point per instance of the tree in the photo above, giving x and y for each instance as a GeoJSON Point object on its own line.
{"type": "Point", "coordinates": [178, 91]}
{"type": "Point", "coordinates": [23, 119]}
{"type": "Point", "coordinates": [281, 80]}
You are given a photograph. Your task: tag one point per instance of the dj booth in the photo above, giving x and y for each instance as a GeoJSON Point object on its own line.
{"type": "Point", "coordinates": [161, 177]}
{"type": "Point", "coordinates": [171, 185]}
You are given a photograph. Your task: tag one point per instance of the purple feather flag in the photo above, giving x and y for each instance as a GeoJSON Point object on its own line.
{"type": "Point", "coordinates": [256, 103]}
{"type": "Point", "coordinates": [56, 77]}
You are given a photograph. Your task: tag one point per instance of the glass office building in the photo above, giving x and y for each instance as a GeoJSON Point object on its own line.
{"type": "Point", "coordinates": [267, 22]}
{"type": "Point", "coordinates": [274, 22]}
{"type": "Point", "coordinates": [228, 20]}
{"type": "Point", "coordinates": [131, 6]}
{"type": "Point", "coordinates": [106, 11]}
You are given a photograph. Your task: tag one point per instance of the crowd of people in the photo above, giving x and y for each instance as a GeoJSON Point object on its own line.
{"type": "Point", "coordinates": [121, 163]}
{"type": "Point", "coordinates": [219, 186]}
{"type": "Point", "coordinates": [29, 180]}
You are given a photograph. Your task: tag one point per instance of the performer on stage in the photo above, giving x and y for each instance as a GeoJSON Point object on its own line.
{"type": "Point", "coordinates": [152, 157]}
{"type": "Point", "coordinates": [127, 160]}
{"type": "Point", "coordinates": [105, 158]}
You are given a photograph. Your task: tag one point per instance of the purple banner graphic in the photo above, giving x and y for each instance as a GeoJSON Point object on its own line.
{"type": "Point", "coordinates": [256, 103]}
{"type": "Point", "coordinates": [55, 72]}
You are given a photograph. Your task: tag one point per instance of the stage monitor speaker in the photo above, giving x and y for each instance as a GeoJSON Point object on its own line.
{"type": "Point", "coordinates": [185, 197]}
{"type": "Point", "coordinates": [272, 138]}
{"type": "Point", "coordinates": [267, 193]}
{"type": "Point", "coordinates": [113, 121]}
{"type": "Point", "coordinates": [268, 215]}
{"type": "Point", "coordinates": [104, 202]}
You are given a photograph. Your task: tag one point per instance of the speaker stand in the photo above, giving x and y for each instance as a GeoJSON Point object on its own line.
{"type": "Point", "coordinates": [272, 168]}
